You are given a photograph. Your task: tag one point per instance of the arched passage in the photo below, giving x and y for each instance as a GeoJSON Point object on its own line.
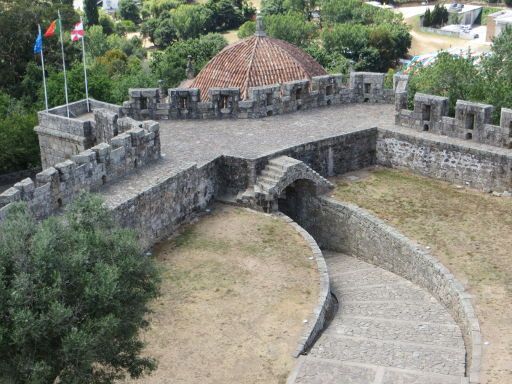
{"type": "Point", "coordinates": [292, 199]}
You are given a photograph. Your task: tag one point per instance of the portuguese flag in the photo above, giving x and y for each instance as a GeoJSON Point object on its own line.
{"type": "Point", "coordinates": [52, 29]}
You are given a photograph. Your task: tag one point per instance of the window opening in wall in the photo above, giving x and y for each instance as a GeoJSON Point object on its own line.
{"type": "Point", "coordinates": [298, 94]}
{"type": "Point", "coordinates": [269, 99]}
{"type": "Point", "coordinates": [425, 127]}
{"type": "Point", "coordinates": [367, 87]}
{"type": "Point", "coordinates": [59, 202]}
{"type": "Point", "coordinates": [328, 90]}
{"type": "Point", "coordinates": [269, 113]}
{"type": "Point", "coordinates": [183, 102]}
{"type": "Point", "coordinates": [426, 115]}
{"type": "Point", "coordinates": [469, 136]}
{"type": "Point", "coordinates": [223, 101]}
{"type": "Point", "coordinates": [135, 163]}
{"type": "Point", "coordinates": [103, 179]}
{"type": "Point", "coordinates": [470, 120]}
{"type": "Point", "coordinates": [143, 103]}
{"type": "Point", "coordinates": [366, 100]}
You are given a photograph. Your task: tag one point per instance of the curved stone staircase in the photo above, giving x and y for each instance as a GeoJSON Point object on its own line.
{"type": "Point", "coordinates": [387, 331]}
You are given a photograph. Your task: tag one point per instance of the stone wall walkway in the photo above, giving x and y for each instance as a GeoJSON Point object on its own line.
{"type": "Point", "coordinates": [387, 331]}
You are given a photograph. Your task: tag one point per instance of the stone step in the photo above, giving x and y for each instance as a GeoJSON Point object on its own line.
{"type": "Point", "coordinates": [397, 291]}
{"type": "Point", "coordinates": [432, 312]}
{"type": "Point", "coordinates": [367, 277]}
{"type": "Point", "coordinates": [266, 180]}
{"type": "Point", "coordinates": [443, 335]}
{"type": "Point", "coordinates": [272, 174]}
{"type": "Point", "coordinates": [313, 370]}
{"type": "Point", "coordinates": [420, 357]}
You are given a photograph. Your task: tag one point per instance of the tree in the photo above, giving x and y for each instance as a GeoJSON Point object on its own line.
{"type": "Point", "coordinates": [246, 29]}
{"type": "Point", "coordinates": [129, 10]}
{"type": "Point", "coordinates": [291, 27]}
{"type": "Point", "coordinates": [191, 20]}
{"type": "Point", "coordinates": [455, 77]}
{"type": "Point", "coordinates": [74, 292]}
{"type": "Point", "coordinates": [92, 16]}
{"type": "Point", "coordinates": [225, 14]}
{"type": "Point", "coordinates": [427, 18]}
{"type": "Point", "coordinates": [170, 64]}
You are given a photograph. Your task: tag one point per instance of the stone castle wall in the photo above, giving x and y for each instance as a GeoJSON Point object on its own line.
{"type": "Point", "coordinates": [185, 103]}
{"type": "Point", "coordinates": [469, 164]}
{"type": "Point", "coordinates": [349, 229]}
{"type": "Point", "coordinates": [472, 120]}
{"type": "Point", "coordinates": [56, 186]}
{"type": "Point", "coordinates": [61, 137]}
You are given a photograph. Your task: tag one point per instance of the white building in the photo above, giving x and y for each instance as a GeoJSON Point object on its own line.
{"type": "Point", "coordinates": [497, 22]}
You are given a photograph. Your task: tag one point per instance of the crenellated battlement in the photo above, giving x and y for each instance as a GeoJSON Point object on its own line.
{"type": "Point", "coordinates": [186, 103]}
{"type": "Point", "coordinates": [137, 143]}
{"type": "Point", "coordinates": [472, 120]}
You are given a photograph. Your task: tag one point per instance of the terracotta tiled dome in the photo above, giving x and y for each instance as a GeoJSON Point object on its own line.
{"type": "Point", "coordinates": [255, 61]}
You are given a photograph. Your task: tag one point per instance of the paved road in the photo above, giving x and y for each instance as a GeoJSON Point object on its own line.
{"type": "Point", "coordinates": [387, 331]}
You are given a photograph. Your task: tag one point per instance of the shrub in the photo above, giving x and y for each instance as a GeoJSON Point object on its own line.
{"type": "Point", "coordinates": [74, 291]}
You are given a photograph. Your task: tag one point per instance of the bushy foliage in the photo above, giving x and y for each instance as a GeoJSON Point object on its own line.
{"type": "Point", "coordinates": [291, 27]}
{"type": "Point", "coordinates": [333, 62]}
{"type": "Point", "coordinates": [18, 141]}
{"type": "Point", "coordinates": [92, 16]}
{"type": "Point", "coordinates": [246, 29]}
{"type": "Point", "coordinates": [73, 291]}
{"type": "Point", "coordinates": [452, 76]}
{"type": "Point", "coordinates": [372, 48]}
{"type": "Point", "coordinates": [129, 10]}
{"type": "Point", "coordinates": [170, 64]}
{"type": "Point", "coordinates": [437, 17]}
{"type": "Point", "coordinates": [458, 77]}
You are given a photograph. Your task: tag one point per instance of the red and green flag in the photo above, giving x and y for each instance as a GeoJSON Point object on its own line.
{"type": "Point", "coordinates": [53, 29]}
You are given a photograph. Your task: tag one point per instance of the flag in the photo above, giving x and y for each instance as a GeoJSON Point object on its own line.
{"type": "Point", "coordinates": [38, 45]}
{"type": "Point", "coordinates": [52, 29]}
{"type": "Point", "coordinates": [78, 32]}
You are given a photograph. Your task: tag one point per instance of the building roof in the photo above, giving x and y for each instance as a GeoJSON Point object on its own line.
{"type": "Point", "coordinates": [256, 61]}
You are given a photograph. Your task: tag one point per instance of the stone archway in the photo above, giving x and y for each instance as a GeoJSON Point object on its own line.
{"type": "Point", "coordinates": [283, 181]}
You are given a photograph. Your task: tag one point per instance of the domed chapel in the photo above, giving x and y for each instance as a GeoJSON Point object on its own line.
{"type": "Point", "coordinates": [256, 61]}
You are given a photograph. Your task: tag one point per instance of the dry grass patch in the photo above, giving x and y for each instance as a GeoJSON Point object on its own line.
{"type": "Point", "coordinates": [469, 231]}
{"type": "Point", "coordinates": [236, 288]}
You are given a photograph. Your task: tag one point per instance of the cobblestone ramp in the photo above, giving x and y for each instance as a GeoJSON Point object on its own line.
{"type": "Point", "coordinates": [387, 331]}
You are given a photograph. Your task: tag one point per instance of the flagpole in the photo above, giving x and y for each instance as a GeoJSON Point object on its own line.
{"type": "Point", "coordinates": [85, 68]}
{"type": "Point", "coordinates": [44, 74]}
{"type": "Point", "coordinates": [63, 65]}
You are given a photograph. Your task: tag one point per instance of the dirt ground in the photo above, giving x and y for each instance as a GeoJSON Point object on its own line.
{"type": "Point", "coordinates": [237, 287]}
{"type": "Point", "coordinates": [423, 42]}
{"type": "Point", "coordinates": [468, 230]}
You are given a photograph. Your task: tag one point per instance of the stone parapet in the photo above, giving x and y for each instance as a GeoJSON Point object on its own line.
{"type": "Point", "coordinates": [56, 186]}
{"type": "Point", "coordinates": [472, 120]}
{"type": "Point", "coordinates": [276, 99]}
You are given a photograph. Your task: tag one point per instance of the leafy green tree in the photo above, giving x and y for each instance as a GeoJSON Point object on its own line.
{"type": "Point", "coordinates": [170, 65]}
{"type": "Point", "coordinates": [129, 10]}
{"type": "Point", "coordinates": [106, 23]}
{"type": "Point", "coordinates": [74, 293]}
{"type": "Point", "coordinates": [427, 18]}
{"type": "Point", "coordinates": [92, 16]}
{"type": "Point", "coordinates": [497, 73]}
{"type": "Point", "coordinates": [272, 7]}
{"type": "Point", "coordinates": [455, 77]}
{"type": "Point", "coordinates": [19, 147]}
{"type": "Point", "coordinates": [225, 15]}
{"type": "Point", "coordinates": [160, 31]}
{"type": "Point", "coordinates": [347, 39]}
{"type": "Point", "coordinates": [246, 29]}
{"type": "Point", "coordinates": [191, 20]}
{"type": "Point", "coordinates": [291, 27]}
{"type": "Point", "coordinates": [333, 62]}
{"type": "Point", "coordinates": [18, 29]}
